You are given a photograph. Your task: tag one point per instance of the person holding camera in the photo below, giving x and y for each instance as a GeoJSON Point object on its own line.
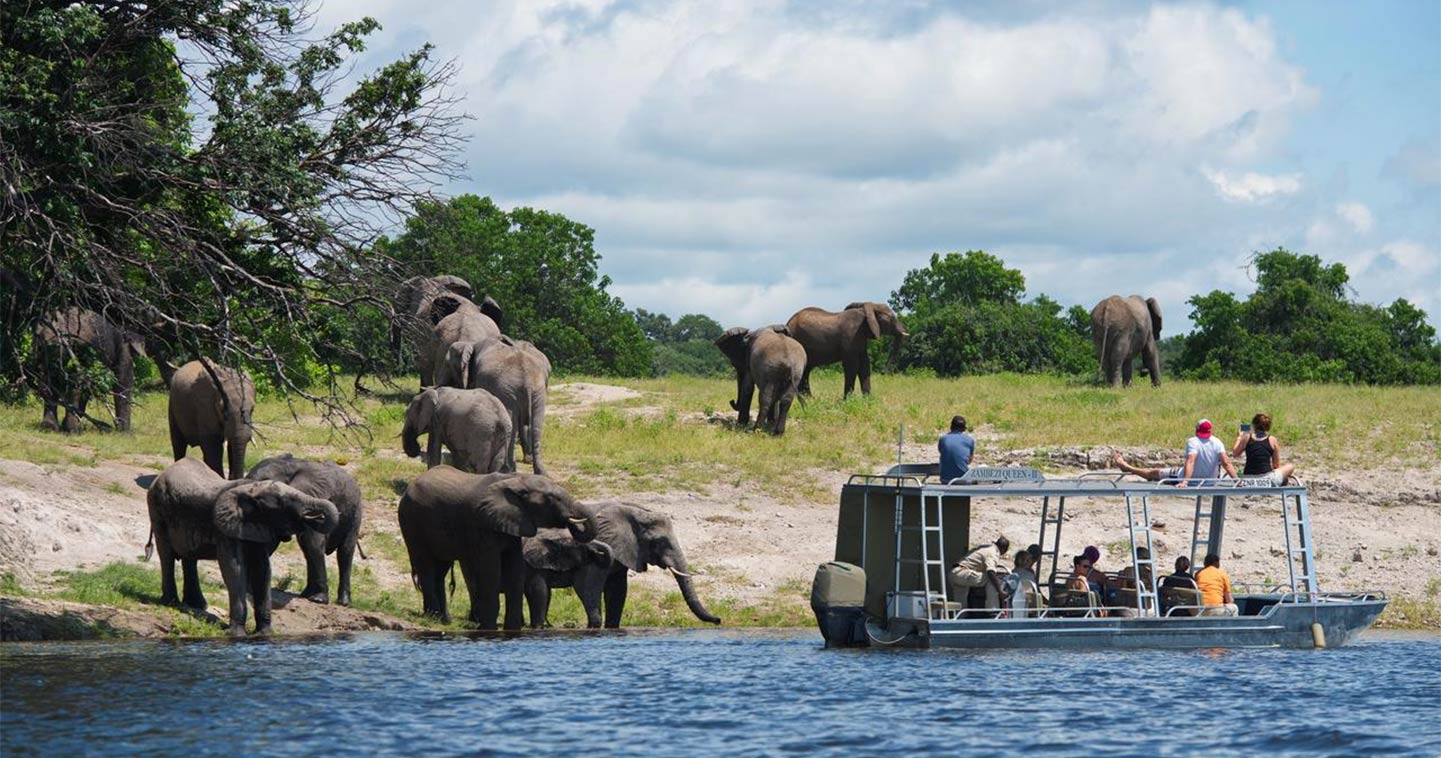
{"type": "Point", "coordinates": [1263, 451]}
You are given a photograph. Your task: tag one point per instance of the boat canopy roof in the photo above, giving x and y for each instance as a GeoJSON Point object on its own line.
{"type": "Point", "coordinates": [1021, 482]}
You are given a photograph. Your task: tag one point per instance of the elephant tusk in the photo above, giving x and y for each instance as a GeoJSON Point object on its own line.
{"type": "Point", "coordinates": [678, 572]}
{"type": "Point", "coordinates": [575, 520]}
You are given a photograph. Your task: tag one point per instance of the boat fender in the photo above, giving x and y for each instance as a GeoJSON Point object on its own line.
{"type": "Point", "coordinates": [1318, 635]}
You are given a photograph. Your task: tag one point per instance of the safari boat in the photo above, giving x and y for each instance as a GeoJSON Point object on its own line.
{"type": "Point", "coordinates": [900, 532]}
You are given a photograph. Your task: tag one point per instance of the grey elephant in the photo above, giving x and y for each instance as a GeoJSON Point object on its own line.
{"type": "Point", "coordinates": [196, 515]}
{"type": "Point", "coordinates": [412, 305]}
{"type": "Point", "coordinates": [636, 537]}
{"type": "Point", "coordinates": [212, 406]}
{"type": "Point", "coordinates": [473, 423]}
{"type": "Point", "coordinates": [478, 520]}
{"type": "Point", "coordinates": [64, 333]}
{"type": "Point", "coordinates": [842, 337]}
{"type": "Point", "coordinates": [1122, 328]}
{"type": "Point", "coordinates": [517, 373]}
{"type": "Point", "coordinates": [468, 322]}
{"type": "Point", "coordinates": [768, 359]}
{"type": "Point", "coordinates": [327, 481]}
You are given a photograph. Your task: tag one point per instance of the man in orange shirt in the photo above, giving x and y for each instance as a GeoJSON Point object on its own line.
{"type": "Point", "coordinates": [1215, 586]}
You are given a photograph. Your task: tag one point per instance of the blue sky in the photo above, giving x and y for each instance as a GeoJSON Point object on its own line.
{"type": "Point", "coordinates": [749, 158]}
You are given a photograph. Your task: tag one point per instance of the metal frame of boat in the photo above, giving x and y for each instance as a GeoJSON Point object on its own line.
{"type": "Point", "coordinates": [908, 599]}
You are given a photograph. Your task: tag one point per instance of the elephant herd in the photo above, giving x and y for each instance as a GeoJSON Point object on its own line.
{"type": "Point", "coordinates": [777, 360]}
{"type": "Point", "coordinates": [514, 535]}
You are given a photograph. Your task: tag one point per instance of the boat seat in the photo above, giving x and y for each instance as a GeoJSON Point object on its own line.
{"type": "Point", "coordinates": [1074, 602]}
{"type": "Point", "coordinates": [1181, 592]}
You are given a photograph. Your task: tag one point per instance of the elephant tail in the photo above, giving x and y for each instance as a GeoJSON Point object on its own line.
{"type": "Point", "coordinates": [361, 550]}
{"type": "Point", "coordinates": [451, 570]}
{"type": "Point", "coordinates": [150, 546]}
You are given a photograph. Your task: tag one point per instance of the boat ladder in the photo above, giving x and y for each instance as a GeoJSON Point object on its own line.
{"type": "Point", "coordinates": [1145, 591]}
{"type": "Point", "coordinates": [929, 560]}
{"type": "Point", "coordinates": [1054, 551]}
{"type": "Point", "coordinates": [1298, 545]}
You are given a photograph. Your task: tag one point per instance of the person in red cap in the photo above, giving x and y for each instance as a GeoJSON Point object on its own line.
{"type": "Point", "coordinates": [1205, 457]}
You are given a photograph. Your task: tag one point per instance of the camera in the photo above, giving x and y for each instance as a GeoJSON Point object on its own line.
{"type": "Point", "coordinates": [1245, 428]}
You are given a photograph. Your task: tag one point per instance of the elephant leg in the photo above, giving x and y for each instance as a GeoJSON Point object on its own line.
{"type": "Point", "coordinates": [232, 570]}
{"type": "Point", "coordinates": [512, 583]}
{"type": "Point", "coordinates": [849, 366]}
{"type": "Point", "coordinates": [1151, 354]}
{"type": "Point", "coordinates": [344, 557]}
{"type": "Point", "coordinates": [312, 546]}
{"type": "Point", "coordinates": [73, 414]}
{"type": "Point", "coordinates": [805, 386]}
{"type": "Point", "coordinates": [168, 593]}
{"type": "Point", "coordinates": [50, 419]}
{"type": "Point", "coordinates": [439, 570]}
{"type": "Point", "coordinates": [1111, 367]}
{"type": "Point", "coordinates": [178, 445]}
{"type": "Point", "coordinates": [766, 416]}
{"type": "Point", "coordinates": [236, 451]}
{"type": "Point", "coordinates": [615, 591]}
{"type": "Point", "coordinates": [211, 449]}
{"type": "Point", "coordinates": [783, 409]}
{"type": "Point", "coordinates": [745, 391]}
{"type": "Point", "coordinates": [510, 442]}
{"type": "Point", "coordinates": [590, 585]}
{"type": "Point", "coordinates": [532, 430]}
{"type": "Point", "coordinates": [257, 572]}
{"type": "Point", "coordinates": [482, 580]}
{"type": "Point", "coordinates": [191, 596]}
{"type": "Point", "coordinates": [537, 599]}
{"type": "Point", "coordinates": [1126, 367]}
{"type": "Point", "coordinates": [864, 372]}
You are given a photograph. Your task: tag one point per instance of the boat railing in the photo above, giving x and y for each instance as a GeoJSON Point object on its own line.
{"type": "Point", "coordinates": [886, 480]}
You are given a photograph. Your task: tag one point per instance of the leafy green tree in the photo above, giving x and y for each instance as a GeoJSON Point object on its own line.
{"type": "Point", "coordinates": [656, 326]}
{"type": "Point", "coordinates": [696, 326]}
{"type": "Point", "coordinates": [1299, 326]}
{"type": "Point", "coordinates": [966, 316]}
{"type": "Point", "coordinates": [543, 270]}
{"type": "Point", "coordinates": [235, 233]}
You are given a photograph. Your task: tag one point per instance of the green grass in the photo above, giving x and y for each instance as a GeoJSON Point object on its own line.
{"type": "Point", "coordinates": [135, 587]}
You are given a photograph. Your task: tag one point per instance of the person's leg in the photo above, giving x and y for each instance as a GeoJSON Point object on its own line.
{"type": "Point", "coordinates": [1149, 474]}
{"type": "Point", "coordinates": [962, 580]}
{"type": "Point", "coordinates": [1284, 472]}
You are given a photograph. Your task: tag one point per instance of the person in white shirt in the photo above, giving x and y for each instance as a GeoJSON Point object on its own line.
{"type": "Point", "coordinates": [1205, 457]}
{"type": "Point", "coordinates": [1021, 583]}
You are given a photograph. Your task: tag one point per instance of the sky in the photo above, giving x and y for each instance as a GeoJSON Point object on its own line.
{"type": "Point", "coordinates": [746, 159]}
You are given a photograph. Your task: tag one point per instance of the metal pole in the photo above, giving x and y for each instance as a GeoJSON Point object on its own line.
{"type": "Point", "coordinates": [1218, 524]}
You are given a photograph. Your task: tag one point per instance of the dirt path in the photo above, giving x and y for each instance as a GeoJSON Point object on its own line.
{"type": "Point", "coordinates": [1376, 529]}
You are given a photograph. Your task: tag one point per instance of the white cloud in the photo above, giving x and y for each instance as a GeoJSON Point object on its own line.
{"type": "Point", "coordinates": [1252, 187]}
{"type": "Point", "coordinates": [1357, 215]}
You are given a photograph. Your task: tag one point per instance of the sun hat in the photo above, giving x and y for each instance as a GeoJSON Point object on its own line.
{"type": "Point", "coordinates": [1203, 428]}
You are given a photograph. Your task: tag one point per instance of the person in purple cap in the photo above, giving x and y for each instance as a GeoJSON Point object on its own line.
{"type": "Point", "coordinates": [1205, 457]}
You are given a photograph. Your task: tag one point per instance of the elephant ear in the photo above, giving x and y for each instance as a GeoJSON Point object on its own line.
{"type": "Point", "coordinates": [443, 305]}
{"type": "Point", "coordinates": [236, 515]}
{"type": "Point", "coordinates": [622, 529]}
{"type": "Point", "coordinates": [492, 309]}
{"type": "Point", "coordinates": [780, 329]}
{"type": "Point", "coordinates": [735, 343]}
{"type": "Point", "coordinates": [871, 322]}
{"type": "Point", "coordinates": [1155, 309]}
{"type": "Point", "coordinates": [509, 506]}
{"type": "Point", "coordinates": [553, 550]}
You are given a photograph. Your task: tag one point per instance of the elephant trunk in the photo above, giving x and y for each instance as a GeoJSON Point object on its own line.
{"type": "Point", "coordinates": [896, 342]}
{"type": "Point", "coordinates": [410, 440]}
{"type": "Point", "coordinates": [317, 514]}
{"type": "Point", "coordinates": [687, 591]}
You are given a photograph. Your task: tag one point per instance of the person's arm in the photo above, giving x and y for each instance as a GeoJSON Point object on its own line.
{"type": "Point", "coordinates": [1226, 596]}
{"type": "Point", "coordinates": [1241, 440]}
{"type": "Point", "coordinates": [1191, 466]}
{"type": "Point", "coordinates": [1229, 466]}
{"type": "Point", "coordinates": [1275, 453]}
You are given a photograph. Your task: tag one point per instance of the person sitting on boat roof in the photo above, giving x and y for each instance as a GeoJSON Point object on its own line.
{"type": "Point", "coordinates": [1263, 452]}
{"type": "Point", "coordinates": [1215, 586]}
{"type": "Point", "coordinates": [981, 568]}
{"type": "Point", "coordinates": [956, 450]}
{"type": "Point", "coordinates": [1020, 585]}
{"type": "Point", "coordinates": [1205, 456]}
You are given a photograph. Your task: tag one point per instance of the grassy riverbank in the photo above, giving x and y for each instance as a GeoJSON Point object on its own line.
{"type": "Point", "coordinates": [671, 442]}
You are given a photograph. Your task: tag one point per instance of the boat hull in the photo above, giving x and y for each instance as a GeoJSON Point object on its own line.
{"type": "Point", "coordinates": [1277, 625]}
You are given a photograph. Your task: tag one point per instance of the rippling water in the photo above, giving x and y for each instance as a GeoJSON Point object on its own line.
{"type": "Point", "coordinates": [738, 692]}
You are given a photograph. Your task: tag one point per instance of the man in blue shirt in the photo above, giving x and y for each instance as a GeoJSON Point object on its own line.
{"type": "Point", "coordinates": [956, 450]}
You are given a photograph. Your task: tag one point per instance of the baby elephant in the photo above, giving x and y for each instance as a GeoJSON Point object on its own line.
{"type": "Point", "coordinates": [327, 481]}
{"type": "Point", "coordinates": [553, 559]}
{"type": "Point", "coordinates": [195, 515]}
{"type": "Point", "coordinates": [473, 423]}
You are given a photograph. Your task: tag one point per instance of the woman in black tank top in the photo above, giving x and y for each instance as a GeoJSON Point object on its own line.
{"type": "Point", "coordinates": [1263, 451]}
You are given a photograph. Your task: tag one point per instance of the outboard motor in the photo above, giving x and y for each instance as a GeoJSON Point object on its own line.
{"type": "Point", "coordinates": [838, 597]}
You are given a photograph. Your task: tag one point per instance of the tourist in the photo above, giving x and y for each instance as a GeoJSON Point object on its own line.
{"type": "Point", "coordinates": [1128, 574]}
{"type": "Point", "coordinates": [981, 567]}
{"type": "Point", "coordinates": [1179, 589]}
{"type": "Point", "coordinates": [1020, 584]}
{"type": "Point", "coordinates": [956, 450]}
{"type": "Point", "coordinates": [1215, 586]}
{"type": "Point", "coordinates": [1181, 577]}
{"type": "Point", "coordinates": [1205, 456]}
{"type": "Point", "coordinates": [1096, 579]}
{"type": "Point", "coordinates": [1263, 451]}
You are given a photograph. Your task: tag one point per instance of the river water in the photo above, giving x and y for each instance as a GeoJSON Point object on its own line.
{"type": "Point", "coordinates": [709, 692]}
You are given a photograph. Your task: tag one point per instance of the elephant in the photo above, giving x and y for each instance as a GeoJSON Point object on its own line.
{"type": "Point", "coordinates": [195, 515]}
{"type": "Point", "coordinates": [412, 304]}
{"type": "Point", "coordinates": [768, 358]}
{"type": "Point", "coordinates": [517, 373]}
{"type": "Point", "coordinates": [326, 481]}
{"type": "Point", "coordinates": [447, 515]}
{"type": "Point", "coordinates": [58, 336]}
{"type": "Point", "coordinates": [1122, 327]}
{"type": "Point", "coordinates": [552, 561]}
{"type": "Point", "coordinates": [829, 337]}
{"type": "Point", "coordinates": [467, 322]}
{"type": "Point", "coordinates": [473, 423]}
{"type": "Point", "coordinates": [216, 420]}
{"type": "Point", "coordinates": [636, 538]}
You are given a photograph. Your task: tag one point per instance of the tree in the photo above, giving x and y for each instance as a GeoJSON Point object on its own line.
{"type": "Point", "coordinates": [1299, 326]}
{"type": "Point", "coordinates": [975, 277]}
{"type": "Point", "coordinates": [695, 326]}
{"type": "Point", "coordinates": [543, 270]}
{"type": "Point", "coordinates": [236, 234]}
